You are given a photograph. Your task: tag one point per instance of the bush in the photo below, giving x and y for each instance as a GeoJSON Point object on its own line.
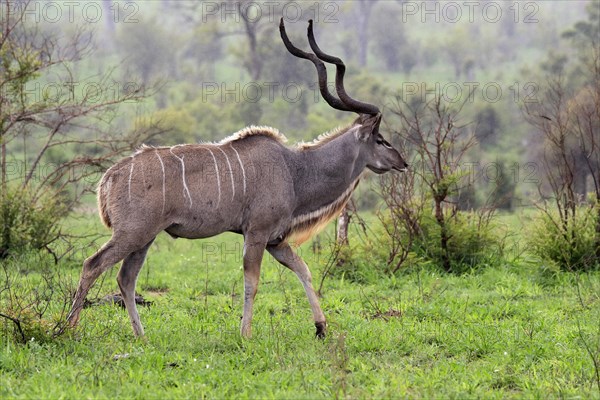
{"type": "Point", "coordinates": [28, 221]}
{"type": "Point", "coordinates": [358, 263]}
{"type": "Point", "coordinates": [33, 304]}
{"type": "Point", "coordinates": [473, 244]}
{"type": "Point", "coordinates": [569, 246]}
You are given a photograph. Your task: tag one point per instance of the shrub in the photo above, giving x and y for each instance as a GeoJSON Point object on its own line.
{"type": "Point", "coordinates": [472, 241]}
{"type": "Point", "coordinates": [28, 221]}
{"type": "Point", "coordinates": [357, 263]}
{"type": "Point", "coordinates": [569, 246]}
{"type": "Point", "coordinates": [33, 305]}
{"type": "Point", "coordinates": [473, 244]}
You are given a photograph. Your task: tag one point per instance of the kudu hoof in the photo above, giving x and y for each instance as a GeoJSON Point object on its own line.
{"type": "Point", "coordinates": [321, 328]}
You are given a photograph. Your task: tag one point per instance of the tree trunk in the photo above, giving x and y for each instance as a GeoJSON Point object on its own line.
{"type": "Point", "coordinates": [580, 180]}
{"type": "Point", "coordinates": [439, 216]}
{"type": "Point", "coordinates": [363, 16]}
{"type": "Point", "coordinates": [596, 180]}
{"type": "Point", "coordinates": [598, 231]}
{"type": "Point", "coordinates": [5, 234]}
{"type": "Point", "coordinates": [3, 166]}
{"type": "Point", "coordinates": [255, 63]}
{"type": "Point", "coordinates": [111, 9]}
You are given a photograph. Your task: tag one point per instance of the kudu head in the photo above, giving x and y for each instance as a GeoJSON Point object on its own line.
{"type": "Point", "coordinates": [378, 154]}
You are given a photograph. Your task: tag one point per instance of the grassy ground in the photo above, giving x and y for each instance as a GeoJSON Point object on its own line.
{"type": "Point", "coordinates": [511, 331]}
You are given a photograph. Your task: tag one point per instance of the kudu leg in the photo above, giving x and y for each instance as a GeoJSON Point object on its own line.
{"type": "Point", "coordinates": [126, 279]}
{"type": "Point", "coordinates": [287, 257]}
{"type": "Point", "coordinates": [111, 253]}
{"type": "Point", "coordinates": [253, 254]}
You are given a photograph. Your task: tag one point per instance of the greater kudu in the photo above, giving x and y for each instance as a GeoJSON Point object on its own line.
{"type": "Point", "coordinates": [249, 183]}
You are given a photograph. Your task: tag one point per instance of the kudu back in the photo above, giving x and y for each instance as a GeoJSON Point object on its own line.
{"type": "Point", "coordinates": [250, 183]}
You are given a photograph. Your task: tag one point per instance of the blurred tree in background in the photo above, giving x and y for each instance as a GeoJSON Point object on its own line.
{"type": "Point", "coordinates": [488, 127]}
{"type": "Point", "coordinates": [391, 44]}
{"type": "Point", "coordinates": [568, 120]}
{"type": "Point", "coordinates": [149, 49]}
{"type": "Point", "coordinates": [66, 127]}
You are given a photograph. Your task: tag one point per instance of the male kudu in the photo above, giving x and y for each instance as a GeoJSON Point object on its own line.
{"type": "Point", "coordinates": [249, 183]}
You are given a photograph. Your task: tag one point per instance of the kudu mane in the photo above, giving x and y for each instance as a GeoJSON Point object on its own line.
{"type": "Point", "coordinates": [251, 131]}
{"type": "Point", "coordinates": [266, 131]}
{"type": "Point", "coordinates": [273, 133]}
{"type": "Point", "coordinates": [323, 138]}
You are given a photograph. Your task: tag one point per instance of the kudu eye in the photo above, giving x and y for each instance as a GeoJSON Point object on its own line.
{"type": "Point", "coordinates": [381, 141]}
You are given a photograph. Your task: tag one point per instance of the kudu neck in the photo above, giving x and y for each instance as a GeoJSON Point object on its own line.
{"type": "Point", "coordinates": [327, 171]}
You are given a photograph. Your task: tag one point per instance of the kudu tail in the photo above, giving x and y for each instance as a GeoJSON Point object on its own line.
{"type": "Point", "coordinates": [103, 189]}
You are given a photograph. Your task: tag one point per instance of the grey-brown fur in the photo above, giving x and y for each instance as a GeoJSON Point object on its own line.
{"type": "Point", "coordinates": [249, 183]}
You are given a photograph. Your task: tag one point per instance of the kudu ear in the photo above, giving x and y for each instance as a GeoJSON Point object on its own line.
{"type": "Point", "coordinates": [366, 126]}
{"type": "Point", "coordinates": [360, 133]}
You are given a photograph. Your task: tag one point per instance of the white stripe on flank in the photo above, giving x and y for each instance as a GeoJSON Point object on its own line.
{"type": "Point", "coordinates": [129, 182]}
{"type": "Point", "coordinates": [230, 173]}
{"type": "Point", "coordinates": [162, 165]}
{"type": "Point", "coordinates": [218, 176]}
{"type": "Point", "coordinates": [185, 187]}
{"type": "Point", "coordinates": [241, 165]}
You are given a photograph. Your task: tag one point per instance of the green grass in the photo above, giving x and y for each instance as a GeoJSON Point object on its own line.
{"type": "Point", "coordinates": [512, 331]}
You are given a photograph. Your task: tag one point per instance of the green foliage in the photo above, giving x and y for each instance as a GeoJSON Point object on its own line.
{"type": "Point", "coordinates": [28, 221]}
{"type": "Point", "coordinates": [466, 198]}
{"type": "Point", "coordinates": [284, 68]}
{"type": "Point", "coordinates": [488, 126]}
{"type": "Point", "coordinates": [204, 121]}
{"type": "Point", "coordinates": [181, 126]}
{"type": "Point", "coordinates": [368, 88]}
{"type": "Point", "coordinates": [391, 44]}
{"type": "Point", "coordinates": [501, 186]}
{"type": "Point", "coordinates": [359, 263]}
{"type": "Point", "coordinates": [148, 47]}
{"type": "Point", "coordinates": [472, 243]}
{"type": "Point", "coordinates": [28, 326]}
{"type": "Point", "coordinates": [204, 47]}
{"type": "Point", "coordinates": [34, 295]}
{"type": "Point", "coordinates": [587, 32]}
{"type": "Point", "coordinates": [570, 247]}
{"type": "Point", "coordinates": [555, 64]}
